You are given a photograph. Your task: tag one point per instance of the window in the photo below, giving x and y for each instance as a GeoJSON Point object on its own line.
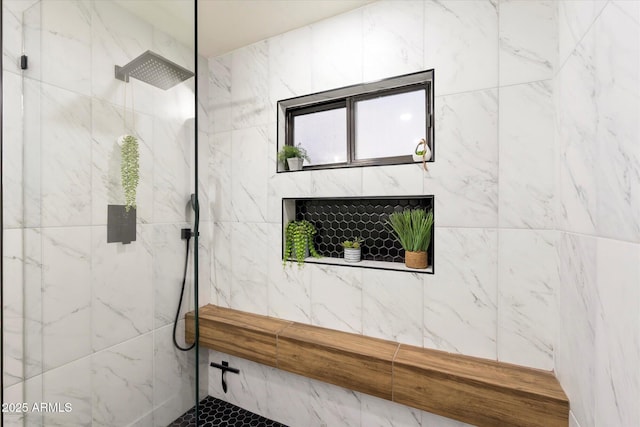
{"type": "Point", "coordinates": [376, 123]}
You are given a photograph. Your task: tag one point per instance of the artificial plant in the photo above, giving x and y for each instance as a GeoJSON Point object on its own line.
{"type": "Point", "coordinates": [129, 170]}
{"type": "Point", "coordinates": [412, 228]}
{"type": "Point", "coordinates": [298, 237]}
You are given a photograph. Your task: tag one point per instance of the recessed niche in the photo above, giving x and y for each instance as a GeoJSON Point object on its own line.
{"type": "Point", "coordinates": [344, 218]}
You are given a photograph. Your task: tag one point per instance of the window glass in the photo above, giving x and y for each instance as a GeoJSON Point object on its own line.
{"type": "Point", "coordinates": [389, 126]}
{"type": "Point", "coordinates": [323, 134]}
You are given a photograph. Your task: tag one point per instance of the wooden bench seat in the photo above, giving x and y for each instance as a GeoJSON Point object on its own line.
{"type": "Point", "coordinates": [477, 391]}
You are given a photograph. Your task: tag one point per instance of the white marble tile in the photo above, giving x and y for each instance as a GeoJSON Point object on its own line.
{"type": "Point", "coordinates": [250, 86]}
{"type": "Point", "coordinates": [392, 180]}
{"type": "Point", "coordinates": [249, 252]}
{"type": "Point", "coordinates": [336, 182]}
{"type": "Point", "coordinates": [527, 282]}
{"type": "Point", "coordinates": [13, 308]}
{"type": "Point", "coordinates": [631, 8]}
{"type": "Point", "coordinates": [32, 38]}
{"type": "Point", "coordinates": [66, 45]}
{"type": "Point", "coordinates": [248, 389]}
{"type": "Point", "coordinates": [432, 420]}
{"type": "Point", "coordinates": [336, 297]}
{"type": "Point", "coordinates": [220, 99]}
{"type": "Point", "coordinates": [173, 375]}
{"type": "Point", "coordinates": [617, 65]}
{"type": "Point", "coordinates": [527, 156]}
{"type": "Point", "coordinates": [172, 177]}
{"type": "Point", "coordinates": [32, 153]}
{"type": "Point", "coordinates": [393, 39]}
{"type": "Point", "coordinates": [204, 159]}
{"type": "Point", "coordinates": [460, 299]}
{"type": "Point", "coordinates": [70, 384]}
{"type": "Point", "coordinates": [220, 178]}
{"type": "Point", "coordinates": [169, 252]}
{"type": "Point", "coordinates": [106, 183]}
{"type": "Point", "coordinates": [32, 294]}
{"type": "Point", "coordinates": [205, 253]}
{"type": "Point", "coordinates": [464, 176]}
{"type": "Point", "coordinates": [377, 412]}
{"type": "Point", "coordinates": [122, 382]}
{"type": "Point", "coordinates": [617, 352]}
{"type": "Point", "coordinates": [66, 295]}
{"type": "Point", "coordinates": [289, 291]}
{"type": "Point", "coordinates": [118, 37]}
{"type": "Point", "coordinates": [572, 420]}
{"type": "Point", "coordinates": [576, 128]}
{"type": "Point", "coordinates": [280, 185]}
{"type": "Point", "coordinates": [66, 157]}
{"type": "Point", "coordinates": [12, 152]}
{"type": "Point", "coordinates": [122, 287]}
{"type": "Point", "coordinates": [249, 173]}
{"type": "Point", "coordinates": [528, 40]}
{"type": "Point", "coordinates": [30, 392]}
{"type": "Point", "coordinates": [575, 18]}
{"type": "Point", "coordinates": [173, 49]}
{"type": "Point", "coordinates": [577, 299]}
{"type": "Point", "coordinates": [334, 406]}
{"type": "Point", "coordinates": [461, 44]}
{"type": "Point", "coordinates": [289, 398]}
{"type": "Point", "coordinates": [392, 306]}
{"type": "Point", "coordinates": [290, 66]}
{"type": "Point", "coordinates": [221, 274]}
{"type": "Point", "coordinates": [12, 31]}
{"type": "Point", "coordinates": [336, 51]}
{"type": "Point", "coordinates": [204, 92]}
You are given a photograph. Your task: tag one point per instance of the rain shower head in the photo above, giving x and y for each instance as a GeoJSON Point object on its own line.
{"type": "Point", "coordinates": [154, 69]}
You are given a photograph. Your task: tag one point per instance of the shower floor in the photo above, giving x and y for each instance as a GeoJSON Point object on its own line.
{"type": "Point", "coordinates": [218, 413]}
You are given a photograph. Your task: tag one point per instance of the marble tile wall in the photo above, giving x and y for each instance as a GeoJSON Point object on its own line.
{"type": "Point", "coordinates": [493, 293]}
{"type": "Point", "coordinates": [597, 105]}
{"type": "Point", "coordinates": [88, 322]}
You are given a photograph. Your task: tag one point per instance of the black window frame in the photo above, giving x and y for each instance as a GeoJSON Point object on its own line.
{"type": "Point", "coordinates": [347, 97]}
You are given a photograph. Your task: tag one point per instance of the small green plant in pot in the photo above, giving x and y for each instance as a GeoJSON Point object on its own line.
{"type": "Point", "coordinates": [293, 156]}
{"type": "Point", "coordinates": [298, 239]}
{"type": "Point", "coordinates": [412, 228]}
{"type": "Point", "coordinates": [352, 250]}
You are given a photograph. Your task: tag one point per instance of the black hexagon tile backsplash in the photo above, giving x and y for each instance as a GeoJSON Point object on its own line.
{"type": "Point", "coordinates": [337, 220]}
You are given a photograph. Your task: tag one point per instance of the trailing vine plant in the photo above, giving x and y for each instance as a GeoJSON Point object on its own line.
{"type": "Point", "coordinates": [129, 170]}
{"type": "Point", "coordinates": [298, 237]}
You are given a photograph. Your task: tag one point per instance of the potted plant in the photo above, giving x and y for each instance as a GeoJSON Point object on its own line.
{"type": "Point", "coordinates": [292, 157]}
{"type": "Point", "coordinates": [412, 228]}
{"type": "Point", "coordinates": [129, 169]}
{"type": "Point", "coordinates": [352, 250]}
{"type": "Point", "coordinates": [298, 241]}
{"type": "Point", "coordinates": [422, 153]}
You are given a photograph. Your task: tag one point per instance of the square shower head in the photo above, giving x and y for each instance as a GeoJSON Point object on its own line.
{"type": "Point", "coordinates": [154, 69]}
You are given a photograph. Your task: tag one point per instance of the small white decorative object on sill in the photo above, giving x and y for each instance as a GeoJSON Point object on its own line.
{"type": "Point", "coordinates": [352, 254]}
{"type": "Point", "coordinates": [422, 153]}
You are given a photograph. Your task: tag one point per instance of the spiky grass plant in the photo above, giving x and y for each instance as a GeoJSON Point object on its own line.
{"type": "Point", "coordinates": [129, 170]}
{"type": "Point", "coordinates": [298, 236]}
{"type": "Point", "coordinates": [412, 228]}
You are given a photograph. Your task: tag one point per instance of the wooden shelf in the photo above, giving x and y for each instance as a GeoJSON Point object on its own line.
{"type": "Point", "coordinates": [476, 391]}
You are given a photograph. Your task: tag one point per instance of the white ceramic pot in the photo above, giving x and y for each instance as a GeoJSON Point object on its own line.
{"type": "Point", "coordinates": [295, 163]}
{"type": "Point", "coordinates": [352, 254]}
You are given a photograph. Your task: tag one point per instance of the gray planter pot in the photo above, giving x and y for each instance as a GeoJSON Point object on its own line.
{"type": "Point", "coordinates": [295, 163]}
{"type": "Point", "coordinates": [352, 254]}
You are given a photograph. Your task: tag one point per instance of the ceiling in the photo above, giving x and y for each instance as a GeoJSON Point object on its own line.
{"type": "Point", "coordinates": [225, 25]}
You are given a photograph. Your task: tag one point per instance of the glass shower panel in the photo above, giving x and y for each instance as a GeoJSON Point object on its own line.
{"type": "Point", "coordinates": [88, 324]}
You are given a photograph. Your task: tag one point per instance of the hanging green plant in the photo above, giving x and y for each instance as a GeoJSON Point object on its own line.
{"type": "Point", "coordinates": [298, 237]}
{"type": "Point", "coordinates": [129, 170]}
